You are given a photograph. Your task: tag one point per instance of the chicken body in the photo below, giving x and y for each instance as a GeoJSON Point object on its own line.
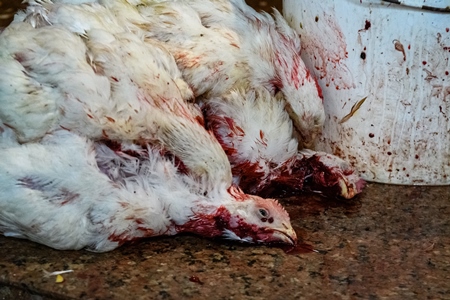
{"type": "Point", "coordinates": [76, 93]}
{"type": "Point", "coordinates": [226, 52]}
{"type": "Point", "coordinates": [99, 86]}
{"type": "Point", "coordinates": [225, 48]}
{"type": "Point", "coordinates": [257, 135]}
{"type": "Point", "coordinates": [225, 44]}
{"type": "Point", "coordinates": [69, 193]}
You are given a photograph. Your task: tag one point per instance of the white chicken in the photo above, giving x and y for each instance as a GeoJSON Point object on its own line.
{"type": "Point", "coordinates": [69, 193]}
{"type": "Point", "coordinates": [224, 48]}
{"type": "Point", "coordinates": [222, 45]}
{"type": "Point", "coordinates": [225, 44]}
{"type": "Point", "coordinates": [257, 135]}
{"type": "Point", "coordinates": [69, 82]}
{"type": "Point", "coordinates": [98, 86]}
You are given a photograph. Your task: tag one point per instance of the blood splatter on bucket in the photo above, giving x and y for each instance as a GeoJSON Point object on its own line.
{"type": "Point", "coordinates": [384, 71]}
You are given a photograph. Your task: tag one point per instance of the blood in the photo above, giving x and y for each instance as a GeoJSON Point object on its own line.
{"type": "Point", "coordinates": [319, 89]}
{"type": "Point", "coordinates": [308, 174]}
{"type": "Point", "coordinates": [424, 63]}
{"type": "Point", "coordinates": [447, 29]}
{"type": "Point", "coordinates": [371, 135]}
{"type": "Point", "coordinates": [120, 239]}
{"type": "Point", "coordinates": [360, 184]}
{"type": "Point", "coordinates": [399, 47]}
{"type": "Point", "coordinates": [290, 68]}
{"type": "Point", "coordinates": [367, 25]}
{"type": "Point", "coordinates": [195, 279]}
{"type": "Point", "coordinates": [251, 175]}
{"type": "Point", "coordinates": [237, 130]}
{"type": "Point", "coordinates": [263, 141]}
{"type": "Point", "coordinates": [131, 235]}
{"type": "Point", "coordinates": [213, 225]}
{"type": "Point", "coordinates": [277, 84]}
{"type": "Point", "coordinates": [110, 119]}
{"type": "Point", "coordinates": [20, 57]}
{"type": "Point", "coordinates": [227, 132]}
{"type": "Point", "coordinates": [287, 182]}
{"type": "Point", "coordinates": [243, 229]}
{"type": "Point", "coordinates": [224, 129]}
{"type": "Point", "coordinates": [321, 177]}
{"type": "Point", "coordinates": [208, 225]}
{"type": "Point", "coordinates": [200, 120]}
{"type": "Point", "coordinates": [146, 231]}
{"type": "Point", "coordinates": [446, 73]}
{"type": "Point", "coordinates": [68, 196]}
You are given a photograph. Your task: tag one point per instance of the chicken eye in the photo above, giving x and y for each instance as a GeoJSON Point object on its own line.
{"type": "Point", "coordinates": [264, 213]}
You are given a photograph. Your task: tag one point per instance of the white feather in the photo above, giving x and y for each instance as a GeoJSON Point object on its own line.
{"type": "Point", "coordinates": [79, 74]}
{"type": "Point", "coordinates": [55, 181]}
{"type": "Point", "coordinates": [225, 44]}
{"type": "Point", "coordinates": [125, 91]}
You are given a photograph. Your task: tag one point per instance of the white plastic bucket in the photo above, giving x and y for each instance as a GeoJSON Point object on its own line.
{"type": "Point", "coordinates": [397, 57]}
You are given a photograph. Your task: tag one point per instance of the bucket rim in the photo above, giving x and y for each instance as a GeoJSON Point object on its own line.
{"type": "Point", "coordinates": [411, 3]}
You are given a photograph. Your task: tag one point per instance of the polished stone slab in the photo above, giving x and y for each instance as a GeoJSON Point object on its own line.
{"type": "Point", "coordinates": [392, 242]}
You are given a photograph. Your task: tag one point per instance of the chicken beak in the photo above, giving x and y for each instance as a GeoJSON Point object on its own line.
{"type": "Point", "coordinates": [286, 235]}
{"type": "Point", "coordinates": [350, 190]}
{"type": "Point", "coordinates": [344, 189]}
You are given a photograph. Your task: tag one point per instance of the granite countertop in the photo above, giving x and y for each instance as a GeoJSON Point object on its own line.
{"type": "Point", "coordinates": [391, 242]}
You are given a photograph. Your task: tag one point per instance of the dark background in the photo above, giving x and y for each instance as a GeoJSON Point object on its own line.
{"type": "Point", "coordinates": [265, 5]}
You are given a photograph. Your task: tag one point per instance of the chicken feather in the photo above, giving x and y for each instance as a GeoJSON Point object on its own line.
{"type": "Point", "coordinates": [79, 106]}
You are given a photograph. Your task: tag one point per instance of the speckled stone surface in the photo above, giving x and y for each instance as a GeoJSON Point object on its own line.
{"type": "Point", "coordinates": [392, 242]}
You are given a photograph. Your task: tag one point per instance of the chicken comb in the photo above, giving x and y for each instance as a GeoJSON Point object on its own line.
{"type": "Point", "coordinates": [237, 193]}
{"type": "Point", "coordinates": [278, 204]}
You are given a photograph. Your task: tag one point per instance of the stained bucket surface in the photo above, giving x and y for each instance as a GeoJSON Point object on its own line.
{"type": "Point", "coordinates": [384, 70]}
